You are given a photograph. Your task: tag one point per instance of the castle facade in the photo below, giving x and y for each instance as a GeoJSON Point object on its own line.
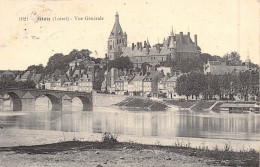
{"type": "Point", "coordinates": [177, 47]}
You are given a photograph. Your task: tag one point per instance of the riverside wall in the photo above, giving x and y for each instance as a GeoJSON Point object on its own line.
{"type": "Point", "coordinates": [106, 100]}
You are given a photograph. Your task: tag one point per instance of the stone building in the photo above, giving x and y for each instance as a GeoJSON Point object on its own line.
{"type": "Point", "coordinates": [221, 68]}
{"type": "Point", "coordinates": [176, 46]}
{"type": "Point", "coordinates": [117, 40]}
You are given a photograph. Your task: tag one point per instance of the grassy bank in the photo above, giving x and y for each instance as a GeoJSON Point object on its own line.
{"type": "Point", "coordinates": [142, 104]}
{"type": "Point", "coordinates": [224, 156]}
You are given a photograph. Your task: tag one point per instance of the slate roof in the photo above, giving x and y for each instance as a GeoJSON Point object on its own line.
{"type": "Point", "coordinates": [153, 76]}
{"type": "Point", "coordinates": [36, 78]}
{"type": "Point", "coordinates": [185, 44]}
{"type": "Point", "coordinates": [26, 75]}
{"type": "Point", "coordinates": [139, 77]}
{"type": "Point", "coordinates": [117, 30]}
{"type": "Point", "coordinates": [182, 43]}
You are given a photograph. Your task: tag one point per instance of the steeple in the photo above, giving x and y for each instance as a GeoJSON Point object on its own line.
{"type": "Point", "coordinates": [172, 34]}
{"type": "Point", "coordinates": [117, 30]}
{"type": "Point", "coordinates": [117, 40]}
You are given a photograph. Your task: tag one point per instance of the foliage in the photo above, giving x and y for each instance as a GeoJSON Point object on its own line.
{"type": "Point", "coordinates": [232, 58]}
{"type": "Point", "coordinates": [109, 138]}
{"type": "Point", "coordinates": [38, 68]}
{"type": "Point", "coordinates": [121, 63]}
{"type": "Point", "coordinates": [98, 77]}
{"type": "Point", "coordinates": [227, 85]}
{"type": "Point", "coordinates": [61, 62]}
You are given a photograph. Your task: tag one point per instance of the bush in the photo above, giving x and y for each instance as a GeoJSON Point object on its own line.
{"type": "Point", "coordinates": [110, 138]}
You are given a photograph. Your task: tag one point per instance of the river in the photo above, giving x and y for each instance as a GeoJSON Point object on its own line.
{"type": "Point", "coordinates": [166, 128]}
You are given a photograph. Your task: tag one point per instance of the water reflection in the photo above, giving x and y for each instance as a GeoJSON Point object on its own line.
{"type": "Point", "coordinates": [142, 123]}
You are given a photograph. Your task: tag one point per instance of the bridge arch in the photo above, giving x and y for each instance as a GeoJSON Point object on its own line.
{"type": "Point", "coordinates": [17, 102]}
{"type": "Point", "coordinates": [86, 102]}
{"type": "Point", "coordinates": [55, 102]}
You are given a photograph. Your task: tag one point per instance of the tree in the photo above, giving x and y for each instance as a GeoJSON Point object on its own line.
{"type": "Point", "coordinates": [61, 62]}
{"type": "Point", "coordinates": [182, 86]}
{"type": "Point", "coordinates": [38, 68]}
{"type": "Point", "coordinates": [121, 63]}
{"type": "Point", "coordinates": [98, 77]}
{"type": "Point", "coordinates": [232, 58]}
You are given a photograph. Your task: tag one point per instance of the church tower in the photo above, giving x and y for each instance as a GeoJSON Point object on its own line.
{"type": "Point", "coordinates": [116, 41]}
{"type": "Point", "coordinates": [172, 46]}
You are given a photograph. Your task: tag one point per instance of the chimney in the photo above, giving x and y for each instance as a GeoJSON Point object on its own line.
{"type": "Point", "coordinates": [138, 45]}
{"type": "Point", "coordinates": [133, 46]}
{"type": "Point", "coordinates": [195, 40]}
{"type": "Point", "coordinates": [147, 49]}
{"type": "Point", "coordinates": [145, 44]}
{"type": "Point", "coordinates": [141, 46]}
{"type": "Point", "coordinates": [189, 37]}
{"type": "Point", "coordinates": [181, 36]}
{"type": "Point", "coordinates": [158, 47]}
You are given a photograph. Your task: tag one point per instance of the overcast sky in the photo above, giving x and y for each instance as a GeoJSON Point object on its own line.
{"type": "Point", "coordinates": [221, 25]}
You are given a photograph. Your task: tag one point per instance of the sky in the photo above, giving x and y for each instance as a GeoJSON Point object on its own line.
{"type": "Point", "coordinates": [222, 26]}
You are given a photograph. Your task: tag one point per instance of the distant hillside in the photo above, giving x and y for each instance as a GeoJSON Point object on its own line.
{"type": "Point", "coordinates": [61, 62]}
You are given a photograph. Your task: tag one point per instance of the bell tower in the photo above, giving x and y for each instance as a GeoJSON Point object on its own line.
{"type": "Point", "coordinates": [116, 41]}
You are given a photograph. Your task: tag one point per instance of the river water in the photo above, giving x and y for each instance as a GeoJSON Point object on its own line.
{"type": "Point", "coordinates": [141, 126]}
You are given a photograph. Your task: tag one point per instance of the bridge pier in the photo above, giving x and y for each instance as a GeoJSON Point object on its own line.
{"type": "Point", "coordinates": [66, 103]}
{"type": "Point", "coordinates": [28, 102]}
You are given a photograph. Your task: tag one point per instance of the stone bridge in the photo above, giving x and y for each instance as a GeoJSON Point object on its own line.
{"type": "Point", "coordinates": [24, 99]}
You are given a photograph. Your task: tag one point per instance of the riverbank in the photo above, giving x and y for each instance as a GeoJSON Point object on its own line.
{"type": "Point", "coordinates": [201, 105]}
{"type": "Point", "coordinates": [143, 104]}
{"type": "Point", "coordinates": [78, 153]}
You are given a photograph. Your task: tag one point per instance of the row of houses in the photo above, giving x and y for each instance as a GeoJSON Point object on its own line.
{"type": "Point", "coordinates": [79, 77]}
{"type": "Point", "coordinates": [154, 83]}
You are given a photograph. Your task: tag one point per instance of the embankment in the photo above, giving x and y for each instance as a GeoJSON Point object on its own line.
{"type": "Point", "coordinates": [181, 104]}
{"type": "Point", "coordinates": [106, 100]}
{"type": "Point", "coordinates": [202, 105]}
{"type": "Point", "coordinates": [194, 105]}
{"type": "Point", "coordinates": [143, 104]}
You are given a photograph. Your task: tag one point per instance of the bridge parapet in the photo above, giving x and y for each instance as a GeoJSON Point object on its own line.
{"type": "Point", "coordinates": [24, 99]}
